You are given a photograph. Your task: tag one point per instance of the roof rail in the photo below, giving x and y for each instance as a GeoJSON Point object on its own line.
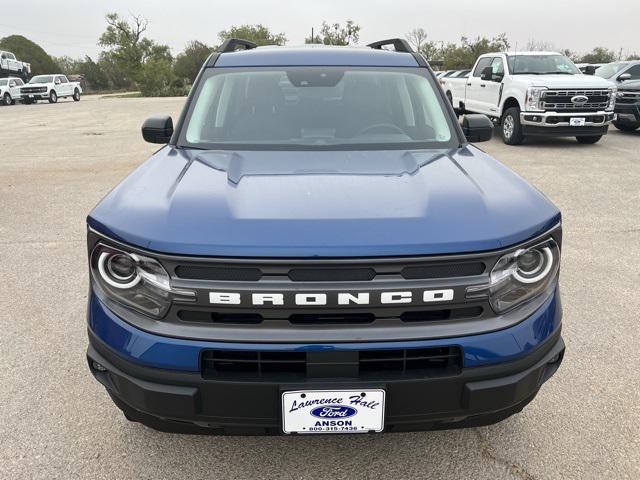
{"type": "Point", "coordinates": [232, 44]}
{"type": "Point", "coordinates": [400, 45]}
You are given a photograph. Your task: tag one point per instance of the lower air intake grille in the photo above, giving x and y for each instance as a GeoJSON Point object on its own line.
{"type": "Point", "coordinates": [269, 365]}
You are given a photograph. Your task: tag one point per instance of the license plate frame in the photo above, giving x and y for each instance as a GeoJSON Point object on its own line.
{"type": "Point", "coordinates": [577, 121]}
{"type": "Point", "coordinates": [310, 412]}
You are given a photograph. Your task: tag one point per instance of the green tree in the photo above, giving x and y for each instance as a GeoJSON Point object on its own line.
{"type": "Point", "coordinates": [336, 34]}
{"type": "Point", "coordinates": [128, 49]}
{"type": "Point", "coordinates": [258, 34]}
{"type": "Point", "coordinates": [418, 40]}
{"type": "Point", "coordinates": [189, 62]}
{"type": "Point", "coordinates": [465, 54]}
{"type": "Point", "coordinates": [94, 76]}
{"type": "Point", "coordinates": [599, 55]}
{"type": "Point", "coordinates": [30, 52]}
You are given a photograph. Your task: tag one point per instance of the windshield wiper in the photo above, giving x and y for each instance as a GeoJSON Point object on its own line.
{"type": "Point", "coordinates": [557, 73]}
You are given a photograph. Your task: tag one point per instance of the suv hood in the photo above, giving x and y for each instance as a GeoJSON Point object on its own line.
{"type": "Point", "coordinates": [565, 81]}
{"type": "Point", "coordinates": [35, 85]}
{"type": "Point", "coordinates": [361, 203]}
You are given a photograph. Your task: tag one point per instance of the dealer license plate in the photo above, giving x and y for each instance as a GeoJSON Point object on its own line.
{"type": "Point", "coordinates": [576, 122]}
{"type": "Point", "coordinates": [333, 411]}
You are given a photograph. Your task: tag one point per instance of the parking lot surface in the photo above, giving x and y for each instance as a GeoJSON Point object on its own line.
{"type": "Point", "coordinates": [57, 161]}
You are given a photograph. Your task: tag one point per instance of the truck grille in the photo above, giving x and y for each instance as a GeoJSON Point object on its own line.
{"type": "Point", "coordinates": [291, 365]}
{"type": "Point", "coordinates": [560, 100]}
{"type": "Point", "coordinates": [245, 277]}
{"type": "Point", "coordinates": [628, 97]}
{"type": "Point", "coordinates": [336, 273]}
{"type": "Point", "coordinates": [33, 89]}
{"type": "Point", "coordinates": [321, 318]}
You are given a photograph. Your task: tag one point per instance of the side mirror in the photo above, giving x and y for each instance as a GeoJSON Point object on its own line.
{"type": "Point", "coordinates": [624, 77]}
{"type": "Point", "coordinates": [477, 128]}
{"type": "Point", "coordinates": [486, 74]}
{"type": "Point", "coordinates": [157, 129]}
{"type": "Point", "coordinates": [12, 84]}
{"type": "Point", "coordinates": [590, 70]}
{"type": "Point", "coordinates": [57, 81]}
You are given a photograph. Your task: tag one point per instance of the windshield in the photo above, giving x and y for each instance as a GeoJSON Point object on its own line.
{"type": "Point", "coordinates": [42, 79]}
{"type": "Point", "coordinates": [311, 107]}
{"type": "Point", "coordinates": [3, 82]}
{"type": "Point", "coordinates": [609, 70]}
{"type": "Point", "coordinates": [541, 65]}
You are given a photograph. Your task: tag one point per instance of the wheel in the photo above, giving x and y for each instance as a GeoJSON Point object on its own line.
{"type": "Point", "coordinates": [627, 127]}
{"type": "Point", "coordinates": [53, 96]}
{"type": "Point", "coordinates": [76, 95]}
{"type": "Point", "coordinates": [6, 99]}
{"type": "Point", "coordinates": [589, 140]}
{"type": "Point", "coordinates": [510, 127]}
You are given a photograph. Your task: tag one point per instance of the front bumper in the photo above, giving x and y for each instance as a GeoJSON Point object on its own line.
{"type": "Point", "coordinates": [628, 113]}
{"type": "Point", "coordinates": [184, 402]}
{"type": "Point", "coordinates": [158, 382]}
{"type": "Point", "coordinates": [556, 124]}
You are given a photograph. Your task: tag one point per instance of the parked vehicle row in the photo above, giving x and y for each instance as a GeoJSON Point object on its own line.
{"type": "Point", "coordinates": [40, 87]}
{"type": "Point", "coordinates": [10, 65]}
{"type": "Point", "coordinates": [535, 94]}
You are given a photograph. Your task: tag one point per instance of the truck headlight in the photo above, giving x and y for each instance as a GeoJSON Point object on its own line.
{"type": "Point", "coordinates": [533, 100]}
{"type": "Point", "coordinates": [520, 276]}
{"type": "Point", "coordinates": [613, 93]}
{"type": "Point", "coordinates": [134, 281]}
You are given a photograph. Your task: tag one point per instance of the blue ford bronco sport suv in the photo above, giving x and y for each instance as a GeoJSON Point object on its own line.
{"type": "Point", "coordinates": [318, 247]}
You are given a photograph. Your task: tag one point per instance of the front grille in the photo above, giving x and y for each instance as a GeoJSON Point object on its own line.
{"type": "Point", "coordinates": [322, 318]}
{"type": "Point", "coordinates": [33, 89]}
{"type": "Point", "coordinates": [338, 273]}
{"type": "Point", "coordinates": [291, 365]}
{"type": "Point", "coordinates": [629, 98]}
{"type": "Point", "coordinates": [560, 100]}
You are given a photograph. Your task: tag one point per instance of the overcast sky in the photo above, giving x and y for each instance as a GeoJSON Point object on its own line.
{"type": "Point", "coordinates": [72, 27]}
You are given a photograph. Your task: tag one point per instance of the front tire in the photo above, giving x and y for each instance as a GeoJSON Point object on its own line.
{"type": "Point", "coordinates": [589, 140]}
{"type": "Point", "coordinates": [76, 95]}
{"type": "Point", "coordinates": [53, 96]}
{"type": "Point", "coordinates": [510, 127]}
{"type": "Point", "coordinates": [626, 127]}
{"type": "Point", "coordinates": [6, 99]}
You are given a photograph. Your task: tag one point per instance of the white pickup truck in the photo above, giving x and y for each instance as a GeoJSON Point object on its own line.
{"type": "Point", "coordinates": [535, 94]}
{"type": "Point", "coordinates": [51, 88]}
{"type": "Point", "coordinates": [10, 90]}
{"type": "Point", "coordinates": [10, 65]}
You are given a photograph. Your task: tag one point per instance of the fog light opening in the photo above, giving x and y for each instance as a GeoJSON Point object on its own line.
{"type": "Point", "coordinates": [98, 366]}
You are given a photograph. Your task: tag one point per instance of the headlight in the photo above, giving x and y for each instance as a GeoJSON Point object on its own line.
{"type": "Point", "coordinates": [613, 93]}
{"type": "Point", "coordinates": [520, 276]}
{"type": "Point", "coordinates": [533, 101]}
{"type": "Point", "coordinates": [134, 280]}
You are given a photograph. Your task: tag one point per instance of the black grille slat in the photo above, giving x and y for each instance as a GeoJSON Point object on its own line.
{"type": "Point", "coordinates": [331, 274]}
{"type": "Point", "coordinates": [443, 270]}
{"type": "Point", "coordinates": [435, 315]}
{"type": "Point", "coordinates": [331, 319]}
{"type": "Point", "coordinates": [441, 315]}
{"type": "Point", "coordinates": [259, 365]}
{"type": "Point", "coordinates": [201, 316]}
{"type": "Point", "coordinates": [231, 274]}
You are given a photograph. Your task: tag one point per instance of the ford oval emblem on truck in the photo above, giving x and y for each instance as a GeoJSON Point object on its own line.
{"type": "Point", "coordinates": [334, 411]}
{"type": "Point", "coordinates": [579, 99]}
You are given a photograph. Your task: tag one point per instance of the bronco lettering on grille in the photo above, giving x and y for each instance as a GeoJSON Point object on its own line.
{"type": "Point", "coordinates": [341, 298]}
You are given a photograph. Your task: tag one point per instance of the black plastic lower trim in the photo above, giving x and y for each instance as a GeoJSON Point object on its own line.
{"type": "Point", "coordinates": [185, 402]}
{"type": "Point", "coordinates": [535, 131]}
